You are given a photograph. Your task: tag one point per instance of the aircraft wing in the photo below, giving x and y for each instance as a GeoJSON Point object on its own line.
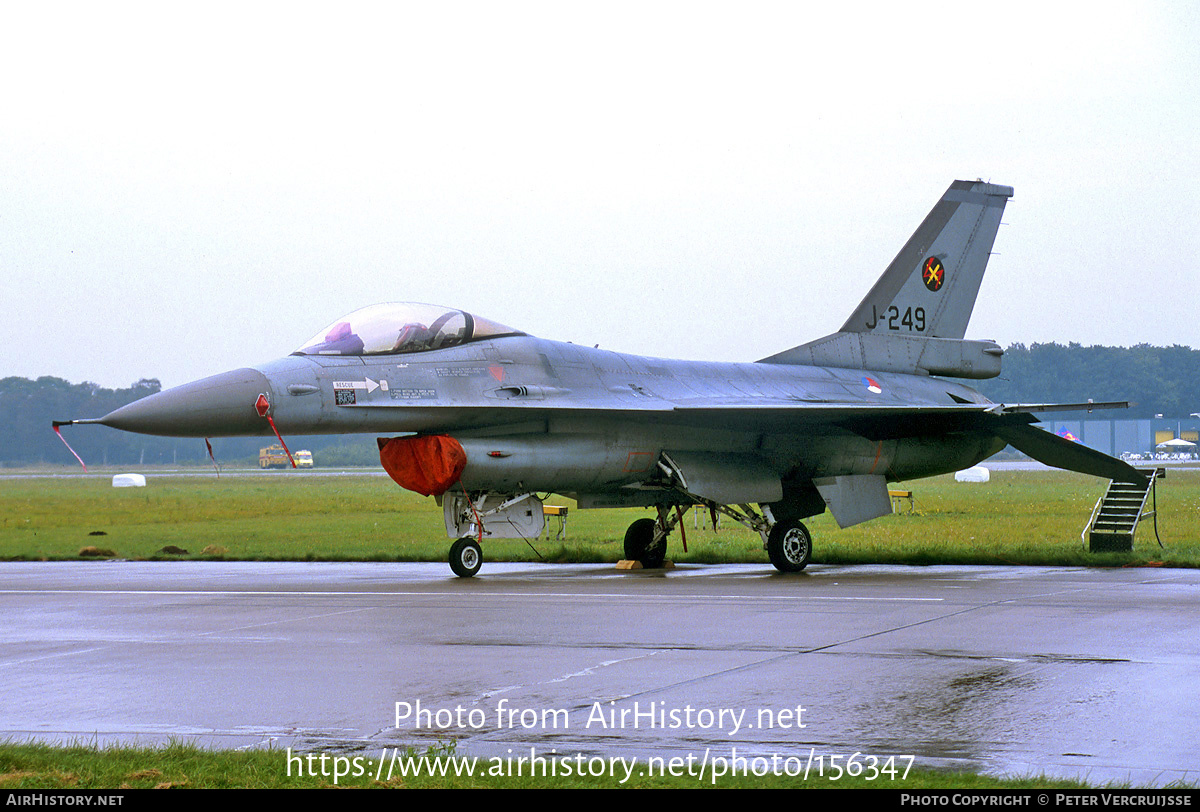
{"type": "Point", "coordinates": [873, 421]}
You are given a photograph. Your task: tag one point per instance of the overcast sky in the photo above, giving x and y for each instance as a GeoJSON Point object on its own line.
{"type": "Point", "coordinates": [187, 188]}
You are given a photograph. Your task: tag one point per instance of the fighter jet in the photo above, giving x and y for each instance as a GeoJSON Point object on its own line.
{"type": "Point", "coordinates": [488, 418]}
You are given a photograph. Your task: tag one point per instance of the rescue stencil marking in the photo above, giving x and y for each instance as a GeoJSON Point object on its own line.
{"type": "Point", "coordinates": [368, 384]}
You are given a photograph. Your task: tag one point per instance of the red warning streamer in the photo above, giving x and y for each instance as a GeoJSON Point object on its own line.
{"type": "Point", "coordinates": [68, 445]}
{"type": "Point", "coordinates": [208, 445]}
{"type": "Point", "coordinates": [263, 407]}
{"type": "Point", "coordinates": [281, 442]}
{"type": "Point", "coordinates": [682, 531]}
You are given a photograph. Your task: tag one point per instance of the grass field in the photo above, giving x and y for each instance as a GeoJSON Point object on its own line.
{"type": "Point", "coordinates": [183, 766]}
{"type": "Point", "coordinates": [1020, 517]}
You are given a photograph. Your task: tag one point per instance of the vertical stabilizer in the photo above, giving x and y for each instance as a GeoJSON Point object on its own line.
{"type": "Point", "coordinates": [929, 289]}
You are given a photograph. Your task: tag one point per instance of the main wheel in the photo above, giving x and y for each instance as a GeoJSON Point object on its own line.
{"type": "Point", "coordinates": [639, 544]}
{"type": "Point", "coordinates": [789, 546]}
{"type": "Point", "coordinates": [465, 557]}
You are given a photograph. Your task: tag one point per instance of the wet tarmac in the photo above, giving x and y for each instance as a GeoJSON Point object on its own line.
{"type": "Point", "coordinates": [1064, 671]}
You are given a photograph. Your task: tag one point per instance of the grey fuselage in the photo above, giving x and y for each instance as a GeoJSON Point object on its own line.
{"type": "Point", "coordinates": [539, 415]}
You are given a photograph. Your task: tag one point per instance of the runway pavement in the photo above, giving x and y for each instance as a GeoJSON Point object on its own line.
{"type": "Point", "coordinates": [1064, 671]}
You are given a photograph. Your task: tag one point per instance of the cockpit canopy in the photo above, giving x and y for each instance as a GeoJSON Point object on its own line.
{"type": "Point", "coordinates": [401, 327]}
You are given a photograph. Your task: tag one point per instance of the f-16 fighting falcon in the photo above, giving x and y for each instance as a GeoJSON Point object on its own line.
{"type": "Point", "coordinates": [487, 417]}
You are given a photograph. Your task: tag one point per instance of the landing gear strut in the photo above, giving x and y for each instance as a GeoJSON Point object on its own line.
{"type": "Point", "coordinates": [788, 543]}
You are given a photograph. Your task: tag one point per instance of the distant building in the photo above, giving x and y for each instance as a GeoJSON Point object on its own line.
{"type": "Point", "coordinates": [1117, 437]}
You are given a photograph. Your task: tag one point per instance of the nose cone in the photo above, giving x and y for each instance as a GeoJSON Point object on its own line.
{"type": "Point", "coordinates": [217, 406]}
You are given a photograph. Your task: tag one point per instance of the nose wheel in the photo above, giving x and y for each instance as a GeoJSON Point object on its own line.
{"type": "Point", "coordinates": [466, 557]}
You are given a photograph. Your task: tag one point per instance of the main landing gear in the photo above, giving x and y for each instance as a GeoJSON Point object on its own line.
{"type": "Point", "coordinates": [646, 542]}
{"type": "Point", "coordinates": [789, 546]}
{"type": "Point", "coordinates": [646, 539]}
{"type": "Point", "coordinates": [788, 543]}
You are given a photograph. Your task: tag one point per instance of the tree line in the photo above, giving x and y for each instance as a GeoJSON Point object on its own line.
{"type": "Point", "coordinates": [1158, 380]}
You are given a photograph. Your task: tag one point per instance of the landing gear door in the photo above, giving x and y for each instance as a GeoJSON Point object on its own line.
{"type": "Point", "coordinates": [727, 479]}
{"type": "Point", "coordinates": [503, 516]}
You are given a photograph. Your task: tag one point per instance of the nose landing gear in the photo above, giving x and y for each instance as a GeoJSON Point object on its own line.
{"type": "Point", "coordinates": [466, 557]}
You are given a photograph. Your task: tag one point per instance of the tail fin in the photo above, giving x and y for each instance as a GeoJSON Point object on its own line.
{"type": "Point", "coordinates": [930, 288]}
{"type": "Point", "coordinates": [916, 315]}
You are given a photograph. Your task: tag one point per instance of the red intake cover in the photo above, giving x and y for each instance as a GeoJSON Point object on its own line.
{"type": "Point", "coordinates": [428, 465]}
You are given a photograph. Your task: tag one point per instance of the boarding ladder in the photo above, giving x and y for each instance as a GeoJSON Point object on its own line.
{"type": "Point", "coordinates": [1116, 515]}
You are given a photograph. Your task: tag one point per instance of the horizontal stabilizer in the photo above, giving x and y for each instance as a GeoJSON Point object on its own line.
{"type": "Point", "coordinates": [1065, 407]}
{"type": "Point", "coordinates": [1060, 452]}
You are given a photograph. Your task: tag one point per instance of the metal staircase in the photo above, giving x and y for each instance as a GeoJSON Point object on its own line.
{"type": "Point", "coordinates": [1116, 515]}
